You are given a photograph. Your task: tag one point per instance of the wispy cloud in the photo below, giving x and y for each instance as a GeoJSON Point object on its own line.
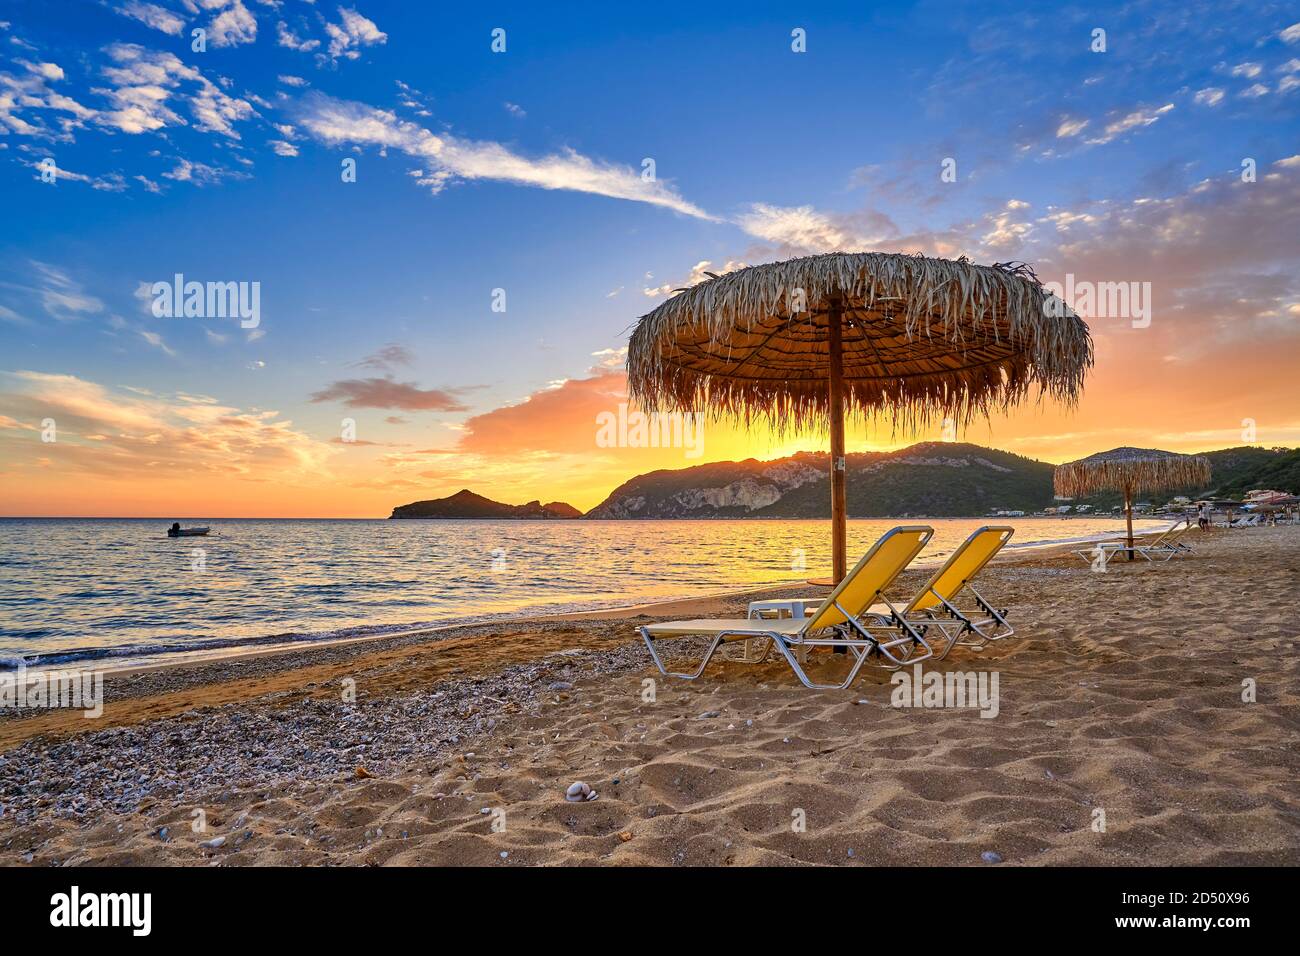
{"type": "Point", "coordinates": [389, 393]}
{"type": "Point", "coordinates": [1137, 119]}
{"type": "Point", "coordinates": [152, 15]}
{"type": "Point", "coordinates": [344, 122]}
{"type": "Point", "coordinates": [388, 358]}
{"type": "Point", "coordinates": [286, 37]}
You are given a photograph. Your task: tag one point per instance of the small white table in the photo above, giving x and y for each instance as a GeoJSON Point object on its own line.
{"type": "Point", "coordinates": [774, 610]}
{"type": "Point", "coordinates": [790, 607]}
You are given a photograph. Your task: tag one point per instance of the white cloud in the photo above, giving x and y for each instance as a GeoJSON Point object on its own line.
{"type": "Point", "coordinates": [341, 122]}
{"type": "Point", "coordinates": [285, 37]}
{"type": "Point", "coordinates": [1291, 34]}
{"type": "Point", "coordinates": [109, 182]}
{"type": "Point", "coordinates": [50, 71]}
{"type": "Point", "coordinates": [232, 26]}
{"type": "Point", "coordinates": [1248, 70]}
{"type": "Point", "coordinates": [60, 296]}
{"type": "Point", "coordinates": [156, 340]}
{"type": "Point", "coordinates": [200, 174]}
{"type": "Point", "coordinates": [805, 229]}
{"type": "Point", "coordinates": [153, 16]}
{"type": "Point", "coordinates": [352, 32]}
{"type": "Point", "coordinates": [515, 110]}
{"type": "Point", "coordinates": [1254, 91]}
{"type": "Point", "coordinates": [700, 272]}
{"type": "Point", "coordinates": [289, 80]}
{"type": "Point", "coordinates": [1210, 96]}
{"type": "Point", "coordinates": [1134, 120]}
{"type": "Point", "coordinates": [1070, 127]}
{"type": "Point", "coordinates": [30, 93]}
{"type": "Point", "coordinates": [283, 148]}
{"type": "Point", "coordinates": [144, 81]}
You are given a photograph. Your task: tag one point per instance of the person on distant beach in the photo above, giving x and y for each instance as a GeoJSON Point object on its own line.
{"type": "Point", "coordinates": [1203, 516]}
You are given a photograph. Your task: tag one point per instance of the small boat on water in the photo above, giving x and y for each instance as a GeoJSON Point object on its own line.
{"type": "Point", "coordinates": [176, 531]}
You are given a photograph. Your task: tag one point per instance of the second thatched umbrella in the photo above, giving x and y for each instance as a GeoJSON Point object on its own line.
{"type": "Point", "coordinates": [807, 341]}
{"type": "Point", "coordinates": [1130, 471]}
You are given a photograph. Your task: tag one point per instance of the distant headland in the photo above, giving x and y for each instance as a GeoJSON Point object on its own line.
{"type": "Point", "coordinates": [466, 504]}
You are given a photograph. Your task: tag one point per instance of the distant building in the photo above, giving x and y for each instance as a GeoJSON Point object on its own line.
{"type": "Point", "coordinates": [1261, 496]}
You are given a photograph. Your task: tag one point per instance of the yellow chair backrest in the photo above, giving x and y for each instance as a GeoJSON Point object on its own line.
{"type": "Point", "coordinates": [960, 569]}
{"type": "Point", "coordinates": [864, 585]}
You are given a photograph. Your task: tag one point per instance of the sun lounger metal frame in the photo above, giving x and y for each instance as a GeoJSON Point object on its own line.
{"type": "Point", "coordinates": [1162, 549]}
{"type": "Point", "coordinates": [851, 633]}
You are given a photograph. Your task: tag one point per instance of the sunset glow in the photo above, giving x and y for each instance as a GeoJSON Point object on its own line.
{"type": "Point", "coordinates": [455, 314]}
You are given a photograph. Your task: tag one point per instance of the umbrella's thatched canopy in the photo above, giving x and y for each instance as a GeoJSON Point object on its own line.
{"type": "Point", "coordinates": [1130, 469]}
{"type": "Point", "coordinates": [922, 338]}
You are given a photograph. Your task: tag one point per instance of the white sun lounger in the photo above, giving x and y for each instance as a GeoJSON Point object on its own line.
{"type": "Point", "coordinates": [835, 624]}
{"type": "Point", "coordinates": [1168, 545]}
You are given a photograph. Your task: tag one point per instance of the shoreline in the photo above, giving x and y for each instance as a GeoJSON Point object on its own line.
{"type": "Point", "coordinates": [1109, 699]}
{"type": "Point", "coordinates": [127, 660]}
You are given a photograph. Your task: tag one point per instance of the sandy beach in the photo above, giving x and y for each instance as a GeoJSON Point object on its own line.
{"type": "Point", "coordinates": [1121, 693]}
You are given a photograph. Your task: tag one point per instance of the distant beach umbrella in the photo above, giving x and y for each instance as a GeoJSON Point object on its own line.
{"type": "Point", "coordinates": [1130, 471]}
{"type": "Point", "coordinates": [808, 341]}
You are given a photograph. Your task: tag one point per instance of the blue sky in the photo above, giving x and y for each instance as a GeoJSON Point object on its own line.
{"type": "Point", "coordinates": [522, 170]}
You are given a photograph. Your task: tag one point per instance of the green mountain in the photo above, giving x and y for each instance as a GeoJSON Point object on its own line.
{"type": "Point", "coordinates": [939, 479]}
{"type": "Point", "coordinates": [1243, 469]}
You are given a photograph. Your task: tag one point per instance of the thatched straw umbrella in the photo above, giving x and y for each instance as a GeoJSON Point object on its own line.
{"type": "Point", "coordinates": [1130, 471]}
{"type": "Point", "coordinates": [806, 341]}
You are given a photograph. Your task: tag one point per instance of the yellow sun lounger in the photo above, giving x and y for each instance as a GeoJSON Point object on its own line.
{"type": "Point", "coordinates": [935, 604]}
{"type": "Point", "coordinates": [836, 623]}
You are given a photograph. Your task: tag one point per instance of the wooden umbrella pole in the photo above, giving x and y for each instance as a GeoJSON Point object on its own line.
{"type": "Point", "coordinates": [839, 508]}
{"type": "Point", "coordinates": [1128, 515]}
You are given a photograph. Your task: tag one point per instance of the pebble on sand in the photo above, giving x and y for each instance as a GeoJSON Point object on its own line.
{"type": "Point", "coordinates": [988, 856]}
{"type": "Point", "coordinates": [578, 792]}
